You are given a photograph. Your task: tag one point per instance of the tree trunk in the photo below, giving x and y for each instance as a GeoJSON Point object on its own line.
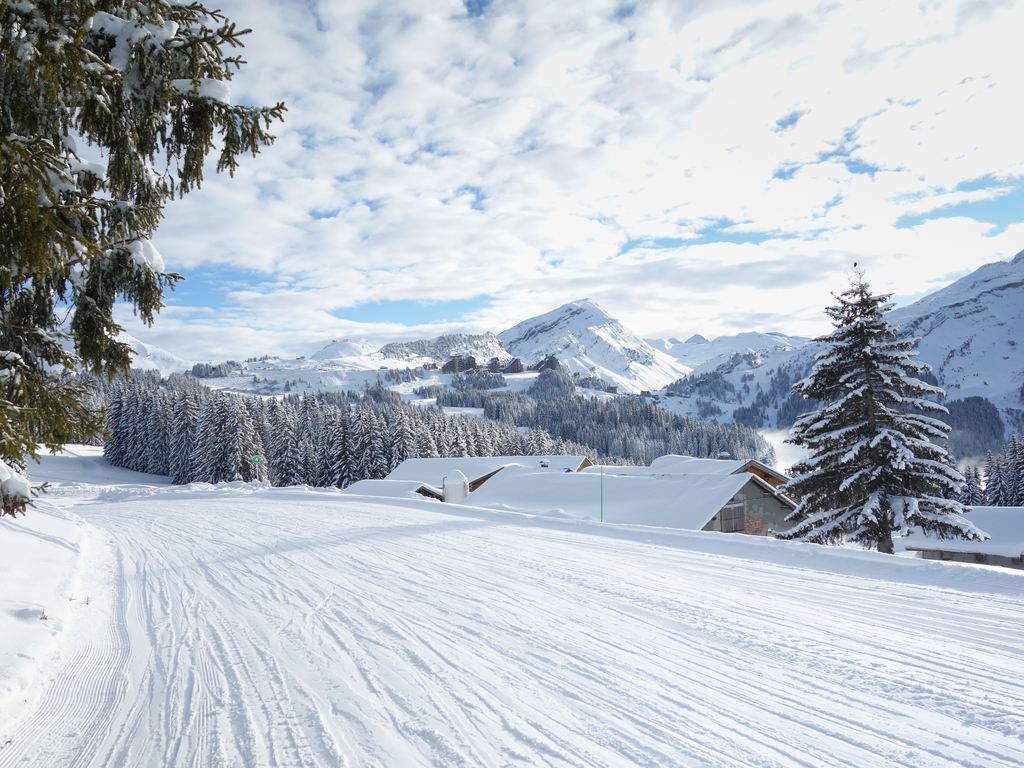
{"type": "Point", "coordinates": [885, 544]}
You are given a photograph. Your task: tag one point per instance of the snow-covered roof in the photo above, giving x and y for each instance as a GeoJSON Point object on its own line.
{"type": "Point", "coordinates": [690, 465]}
{"type": "Point", "coordinates": [405, 489]}
{"type": "Point", "coordinates": [433, 471]}
{"type": "Point", "coordinates": [669, 501]}
{"type": "Point", "coordinates": [1004, 524]}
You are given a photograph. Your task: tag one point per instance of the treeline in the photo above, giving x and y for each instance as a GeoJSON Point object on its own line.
{"type": "Point", "coordinates": [193, 434]}
{"type": "Point", "coordinates": [624, 427]}
{"type": "Point", "coordinates": [1002, 484]}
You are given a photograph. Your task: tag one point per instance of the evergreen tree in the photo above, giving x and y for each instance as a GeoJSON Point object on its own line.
{"type": "Point", "coordinates": [1015, 467]}
{"type": "Point", "coordinates": [376, 459]}
{"type": "Point", "coordinates": [157, 438]}
{"type": "Point", "coordinates": [874, 470]}
{"type": "Point", "coordinates": [338, 454]}
{"type": "Point", "coordinates": [114, 448]}
{"type": "Point", "coordinates": [310, 462]}
{"type": "Point", "coordinates": [241, 444]}
{"type": "Point", "coordinates": [973, 495]}
{"type": "Point", "coordinates": [144, 83]}
{"type": "Point", "coordinates": [209, 452]}
{"type": "Point", "coordinates": [402, 440]}
{"type": "Point", "coordinates": [426, 448]}
{"type": "Point", "coordinates": [286, 462]}
{"type": "Point", "coordinates": [183, 438]}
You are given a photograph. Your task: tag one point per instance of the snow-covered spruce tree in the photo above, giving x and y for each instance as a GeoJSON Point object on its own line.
{"type": "Point", "coordinates": [183, 438]}
{"type": "Point", "coordinates": [286, 463]}
{"type": "Point", "coordinates": [973, 493]}
{"type": "Point", "coordinates": [144, 84]}
{"type": "Point", "coordinates": [874, 470]}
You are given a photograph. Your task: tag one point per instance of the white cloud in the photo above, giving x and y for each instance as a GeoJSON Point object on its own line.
{"type": "Point", "coordinates": [426, 154]}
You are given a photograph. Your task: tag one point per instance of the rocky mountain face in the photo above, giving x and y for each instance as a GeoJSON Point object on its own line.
{"type": "Point", "coordinates": [593, 343]}
{"type": "Point", "coordinates": [481, 346]}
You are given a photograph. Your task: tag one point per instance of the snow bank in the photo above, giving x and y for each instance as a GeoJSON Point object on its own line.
{"type": "Point", "coordinates": [1004, 524]}
{"type": "Point", "coordinates": [13, 484]}
{"type": "Point", "coordinates": [391, 489]}
{"type": "Point", "coordinates": [40, 559]}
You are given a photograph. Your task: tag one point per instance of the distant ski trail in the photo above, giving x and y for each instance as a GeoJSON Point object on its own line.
{"type": "Point", "coordinates": [303, 631]}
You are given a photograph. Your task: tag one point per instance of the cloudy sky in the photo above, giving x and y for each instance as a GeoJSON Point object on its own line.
{"type": "Point", "coordinates": [695, 166]}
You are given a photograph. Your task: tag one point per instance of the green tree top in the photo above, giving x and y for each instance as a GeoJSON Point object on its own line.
{"type": "Point", "coordinates": [146, 84]}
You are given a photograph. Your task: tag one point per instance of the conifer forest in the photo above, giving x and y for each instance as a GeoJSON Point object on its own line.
{"type": "Point", "coordinates": [179, 428]}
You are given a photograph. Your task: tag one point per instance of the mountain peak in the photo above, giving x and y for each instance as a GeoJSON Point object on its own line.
{"type": "Point", "coordinates": [592, 343]}
{"type": "Point", "coordinates": [1018, 259]}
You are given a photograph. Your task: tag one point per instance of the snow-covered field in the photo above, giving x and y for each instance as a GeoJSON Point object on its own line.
{"type": "Point", "coordinates": [242, 626]}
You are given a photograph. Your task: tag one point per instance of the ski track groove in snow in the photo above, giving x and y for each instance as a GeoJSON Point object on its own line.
{"type": "Point", "coordinates": [291, 632]}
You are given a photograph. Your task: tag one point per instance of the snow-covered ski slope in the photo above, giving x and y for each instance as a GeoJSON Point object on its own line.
{"type": "Point", "coordinates": [239, 626]}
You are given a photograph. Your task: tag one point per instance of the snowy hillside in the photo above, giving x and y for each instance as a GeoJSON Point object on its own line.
{"type": "Point", "coordinates": [481, 346]}
{"type": "Point", "coordinates": [200, 626]}
{"type": "Point", "coordinates": [344, 348]}
{"type": "Point", "coordinates": [593, 343]}
{"type": "Point", "coordinates": [151, 358]}
{"type": "Point", "coordinates": [700, 354]}
{"type": "Point", "coordinates": [972, 333]}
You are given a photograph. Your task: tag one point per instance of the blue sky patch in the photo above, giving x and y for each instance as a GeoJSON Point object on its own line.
{"type": "Point", "coordinates": [478, 195]}
{"type": "Point", "coordinates": [476, 7]}
{"type": "Point", "coordinates": [789, 120]}
{"type": "Point", "coordinates": [1000, 211]}
{"type": "Point", "coordinates": [209, 286]}
{"type": "Point", "coordinates": [411, 311]}
{"type": "Point", "coordinates": [654, 243]}
{"type": "Point", "coordinates": [859, 166]}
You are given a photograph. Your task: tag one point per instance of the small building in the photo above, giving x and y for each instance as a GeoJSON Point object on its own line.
{"type": "Point", "coordinates": [740, 503]}
{"type": "Point", "coordinates": [430, 366]}
{"type": "Point", "coordinates": [1005, 548]}
{"type": "Point", "coordinates": [494, 366]}
{"type": "Point", "coordinates": [515, 365]}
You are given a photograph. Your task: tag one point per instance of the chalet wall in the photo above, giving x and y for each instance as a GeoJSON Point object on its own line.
{"type": "Point", "coordinates": [762, 512]}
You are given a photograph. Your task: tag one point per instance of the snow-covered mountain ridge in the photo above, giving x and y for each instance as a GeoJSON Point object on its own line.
{"type": "Point", "coordinates": [152, 358]}
{"type": "Point", "coordinates": [697, 352]}
{"type": "Point", "coordinates": [593, 343]}
{"type": "Point", "coordinates": [481, 346]}
{"type": "Point", "coordinates": [971, 333]}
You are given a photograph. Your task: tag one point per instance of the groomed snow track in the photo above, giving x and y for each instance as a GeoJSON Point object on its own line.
{"type": "Point", "coordinates": [284, 628]}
